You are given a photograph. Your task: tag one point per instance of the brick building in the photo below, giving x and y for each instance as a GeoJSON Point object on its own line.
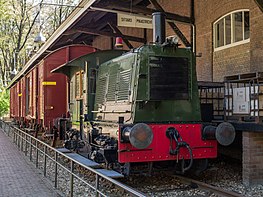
{"type": "Point", "coordinates": [233, 55]}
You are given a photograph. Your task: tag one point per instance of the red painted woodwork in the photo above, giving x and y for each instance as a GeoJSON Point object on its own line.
{"type": "Point", "coordinates": [53, 98]}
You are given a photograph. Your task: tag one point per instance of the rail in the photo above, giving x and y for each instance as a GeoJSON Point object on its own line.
{"type": "Point", "coordinates": [34, 148]}
{"type": "Point", "coordinates": [204, 186]}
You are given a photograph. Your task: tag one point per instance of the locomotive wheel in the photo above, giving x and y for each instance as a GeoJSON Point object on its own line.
{"type": "Point", "coordinates": [126, 169]}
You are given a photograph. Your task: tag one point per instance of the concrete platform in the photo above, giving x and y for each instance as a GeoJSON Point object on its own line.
{"type": "Point", "coordinates": [17, 177]}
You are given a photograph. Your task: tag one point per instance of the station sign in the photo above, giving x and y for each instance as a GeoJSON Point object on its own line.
{"type": "Point", "coordinates": [129, 20]}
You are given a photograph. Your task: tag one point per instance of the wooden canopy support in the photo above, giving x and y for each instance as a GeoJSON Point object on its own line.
{"type": "Point", "coordinates": [103, 33]}
{"type": "Point", "coordinates": [260, 4]}
{"type": "Point", "coordinates": [172, 24]}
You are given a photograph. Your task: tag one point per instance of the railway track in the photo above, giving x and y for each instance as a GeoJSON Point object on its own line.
{"type": "Point", "coordinates": [162, 184]}
{"type": "Point", "coordinates": [204, 186]}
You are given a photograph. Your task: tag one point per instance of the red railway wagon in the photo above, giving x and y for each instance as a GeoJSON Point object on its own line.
{"type": "Point", "coordinates": [53, 86]}
{"type": "Point", "coordinates": [42, 96]}
{"type": "Point", "coordinates": [13, 102]}
{"type": "Point", "coordinates": [31, 84]}
{"type": "Point", "coordinates": [23, 98]}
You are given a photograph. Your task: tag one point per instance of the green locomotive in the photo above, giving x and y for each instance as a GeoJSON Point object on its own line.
{"type": "Point", "coordinates": [144, 108]}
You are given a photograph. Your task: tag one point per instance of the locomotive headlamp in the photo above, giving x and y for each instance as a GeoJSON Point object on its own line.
{"type": "Point", "coordinates": [141, 136]}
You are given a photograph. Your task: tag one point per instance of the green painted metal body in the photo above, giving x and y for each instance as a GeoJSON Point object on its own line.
{"type": "Point", "coordinates": [88, 64]}
{"type": "Point", "coordinates": [134, 91]}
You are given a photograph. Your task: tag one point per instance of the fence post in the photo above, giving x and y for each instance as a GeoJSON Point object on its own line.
{"type": "Point", "coordinates": [56, 169]}
{"type": "Point", "coordinates": [19, 138]}
{"type": "Point", "coordinates": [36, 154]}
{"type": "Point", "coordinates": [8, 130]}
{"type": "Point", "coordinates": [97, 185]}
{"type": "Point", "coordinates": [22, 143]}
{"type": "Point", "coordinates": [71, 178]}
{"type": "Point", "coordinates": [45, 160]}
{"type": "Point", "coordinates": [14, 136]}
{"type": "Point", "coordinates": [26, 144]}
{"type": "Point", "coordinates": [30, 149]}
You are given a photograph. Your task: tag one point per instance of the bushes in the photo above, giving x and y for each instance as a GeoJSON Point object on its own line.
{"type": "Point", "coordinates": [4, 102]}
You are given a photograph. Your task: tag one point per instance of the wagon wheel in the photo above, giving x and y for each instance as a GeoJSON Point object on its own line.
{"type": "Point", "coordinates": [55, 136]}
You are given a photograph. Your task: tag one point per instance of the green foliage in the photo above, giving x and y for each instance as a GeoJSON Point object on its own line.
{"type": "Point", "coordinates": [4, 102]}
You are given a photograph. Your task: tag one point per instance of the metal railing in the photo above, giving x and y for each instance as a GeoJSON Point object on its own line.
{"type": "Point", "coordinates": [41, 153]}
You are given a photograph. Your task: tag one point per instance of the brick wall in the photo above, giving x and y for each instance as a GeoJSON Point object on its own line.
{"type": "Point", "coordinates": [252, 158]}
{"type": "Point", "coordinates": [206, 13]}
{"type": "Point", "coordinates": [231, 61]}
{"type": "Point", "coordinates": [256, 38]}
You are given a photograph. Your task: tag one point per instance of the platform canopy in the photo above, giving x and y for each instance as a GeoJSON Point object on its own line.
{"type": "Point", "coordinates": [93, 18]}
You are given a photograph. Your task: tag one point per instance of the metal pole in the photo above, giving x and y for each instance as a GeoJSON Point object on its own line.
{"type": "Point", "coordinates": [30, 149]}
{"type": "Point", "coordinates": [56, 170]}
{"type": "Point", "coordinates": [71, 178]}
{"type": "Point", "coordinates": [45, 160]}
{"type": "Point", "coordinates": [22, 143]}
{"type": "Point", "coordinates": [97, 185]}
{"type": "Point", "coordinates": [16, 141]}
{"type": "Point", "coordinates": [19, 138]}
{"type": "Point", "coordinates": [14, 137]}
{"type": "Point", "coordinates": [8, 130]}
{"type": "Point", "coordinates": [26, 145]}
{"type": "Point", "coordinates": [36, 154]}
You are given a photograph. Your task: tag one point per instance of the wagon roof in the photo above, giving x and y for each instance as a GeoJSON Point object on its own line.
{"type": "Point", "coordinates": [91, 58]}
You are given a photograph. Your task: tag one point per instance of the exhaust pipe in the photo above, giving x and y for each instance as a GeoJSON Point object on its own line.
{"type": "Point", "coordinates": [159, 27]}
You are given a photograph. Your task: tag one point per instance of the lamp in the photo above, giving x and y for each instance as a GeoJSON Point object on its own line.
{"type": "Point", "coordinates": [40, 38]}
{"type": "Point", "coordinates": [118, 43]}
{"type": "Point", "coordinates": [13, 72]}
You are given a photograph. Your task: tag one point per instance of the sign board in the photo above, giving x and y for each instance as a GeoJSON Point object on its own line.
{"type": "Point", "coordinates": [126, 20]}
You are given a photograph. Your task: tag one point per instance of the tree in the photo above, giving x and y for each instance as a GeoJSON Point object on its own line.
{"type": "Point", "coordinates": [19, 24]}
{"type": "Point", "coordinates": [4, 104]}
{"type": "Point", "coordinates": [55, 13]}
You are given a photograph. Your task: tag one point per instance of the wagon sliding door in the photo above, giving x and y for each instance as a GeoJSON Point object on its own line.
{"type": "Point", "coordinates": [55, 94]}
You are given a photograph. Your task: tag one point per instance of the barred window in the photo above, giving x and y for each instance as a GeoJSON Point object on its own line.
{"type": "Point", "coordinates": [231, 29]}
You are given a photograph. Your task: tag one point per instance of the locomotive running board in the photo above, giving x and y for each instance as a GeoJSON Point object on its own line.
{"type": "Point", "coordinates": [82, 160]}
{"type": "Point", "coordinates": [110, 173]}
{"type": "Point", "coordinates": [89, 163]}
{"type": "Point", "coordinates": [63, 150]}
